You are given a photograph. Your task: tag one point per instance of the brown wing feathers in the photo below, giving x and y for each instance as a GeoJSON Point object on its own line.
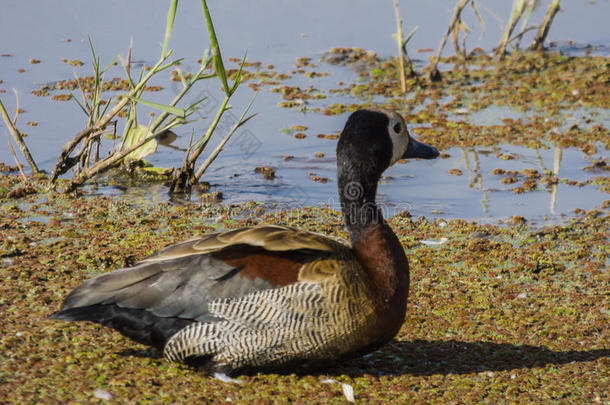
{"type": "Point", "coordinates": [270, 238]}
{"type": "Point", "coordinates": [276, 268]}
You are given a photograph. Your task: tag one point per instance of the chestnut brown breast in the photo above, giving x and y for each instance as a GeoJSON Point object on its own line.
{"type": "Point", "coordinates": [381, 253]}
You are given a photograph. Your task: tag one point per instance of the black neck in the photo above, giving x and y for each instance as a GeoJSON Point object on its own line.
{"type": "Point", "coordinates": [364, 151]}
{"type": "Point", "coordinates": [357, 194]}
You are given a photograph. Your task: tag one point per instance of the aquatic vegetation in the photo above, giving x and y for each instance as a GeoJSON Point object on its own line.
{"type": "Point", "coordinates": [510, 312]}
{"type": "Point", "coordinates": [267, 172]}
{"type": "Point", "coordinates": [546, 85]}
{"type": "Point", "coordinates": [82, 153]}
{"type": "Point", "coordinates": [498, 312]}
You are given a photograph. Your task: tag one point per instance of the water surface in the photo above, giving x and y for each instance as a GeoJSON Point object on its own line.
{"type": "Point", "coordinates": [277, 32]}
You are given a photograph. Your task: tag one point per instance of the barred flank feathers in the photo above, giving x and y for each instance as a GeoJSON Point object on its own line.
{"type": "Point", "coordinates": [196, 339]}
{"type": "Point", "coordinates": [302, 321]}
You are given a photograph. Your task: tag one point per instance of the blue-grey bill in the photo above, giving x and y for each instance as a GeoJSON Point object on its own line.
{"type": "Point", "coordinates": [420, 150]}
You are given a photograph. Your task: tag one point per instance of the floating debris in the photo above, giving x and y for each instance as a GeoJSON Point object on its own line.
{"type": "Point", "coordinates": [226, 379]}
{"type": "Point", "coordinates": [348, 392]}
{"type": "Point", "coordinates": [101, 393]}
{"type": "Point", "coordinates": [213, 197]}
{"type": "Point", "coordinates": [434, 242]}
{"type": "Point", "coordinates": [267, 172]}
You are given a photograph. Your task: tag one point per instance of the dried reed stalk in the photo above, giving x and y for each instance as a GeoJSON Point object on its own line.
{"type": "Point", "coordinates": [543, 31]}
{"type": "Point", "coordinates": [18, 139]}
{"type": "Point", "coordinates": [433, 73]}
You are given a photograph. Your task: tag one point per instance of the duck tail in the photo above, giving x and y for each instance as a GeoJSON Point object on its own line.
{"type": "Point", "coordinates": [139, 325]}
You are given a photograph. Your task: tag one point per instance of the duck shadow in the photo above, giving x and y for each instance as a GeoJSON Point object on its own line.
{"type": "Point", "coordinates": [428, 357]}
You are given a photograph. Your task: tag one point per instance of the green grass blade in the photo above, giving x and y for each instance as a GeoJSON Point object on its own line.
{"type": "Point", "coordinates": [220, 68]}
{"type": "Point", "coordinates": [91, 47]}
{"type": "Point", "coordinates": [193, 107]}
{"type": "Point", "coordinates": [206, 76]}
{"type": "Point", "coordinates": [176, 123]}
{"type": "Point", "coordinates": [180, 76]}
{"type": "Point", "coordinates": [171, 15]}
{"type": "Point", "coordinates": [79, 104]}
{"type": "Point", "coordinates": [237, 80]}
{"type": "Point", "coordinates": [241, 119]}
{"type": "Point", "coordinates": [111, 64]}
{"type": "Point", "coordinates": [128, 126]}
{"type": "Point", "coordinates": [127, 72]}
{"type": "Point", "coordinates": [408, 38]}
{"type": "Point", "coordinates": [106, 107]}
{"type": "Point", "coordinates": [178, 112]}
{"type": "Point", "coordinates": [205, 59]}
{"type": "Point", "coordinates": [168, 65]}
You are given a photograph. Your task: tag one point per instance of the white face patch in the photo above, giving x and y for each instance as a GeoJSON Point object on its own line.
{"type": "Point", "coordinates": [399, 136]}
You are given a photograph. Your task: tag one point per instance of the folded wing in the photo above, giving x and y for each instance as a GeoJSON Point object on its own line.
{"type": "Point", "coordinates": [173, 288]}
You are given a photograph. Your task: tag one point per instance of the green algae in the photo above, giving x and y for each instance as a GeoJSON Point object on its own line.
{"type": "Point", "coordinates": [87, 84]}
{"type": "Point", "coordinates": [549, 87]}
{"type": "Point", "coordinates": [497, 313]}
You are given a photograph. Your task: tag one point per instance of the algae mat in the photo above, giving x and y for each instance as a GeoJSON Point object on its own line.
{"type": "Point", "coordinates": [499, 314]}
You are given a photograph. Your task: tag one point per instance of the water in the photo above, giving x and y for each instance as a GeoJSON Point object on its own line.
{"type": "Point", "coordinates": [277, 32]}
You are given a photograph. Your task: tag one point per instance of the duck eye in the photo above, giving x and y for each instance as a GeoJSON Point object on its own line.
{"type": "Point", "coordinates": [397, 127]}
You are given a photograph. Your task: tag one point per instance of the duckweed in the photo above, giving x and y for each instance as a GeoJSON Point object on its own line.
{"type": "Point", "coordinates": [497, 313]}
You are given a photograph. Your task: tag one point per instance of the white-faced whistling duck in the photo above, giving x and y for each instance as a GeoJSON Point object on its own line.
{"type": "Point", "coordinates": [269, 296]}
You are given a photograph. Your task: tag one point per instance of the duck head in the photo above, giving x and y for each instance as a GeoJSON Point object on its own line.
{"type": "Point", "coordinates": [371, 141]}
